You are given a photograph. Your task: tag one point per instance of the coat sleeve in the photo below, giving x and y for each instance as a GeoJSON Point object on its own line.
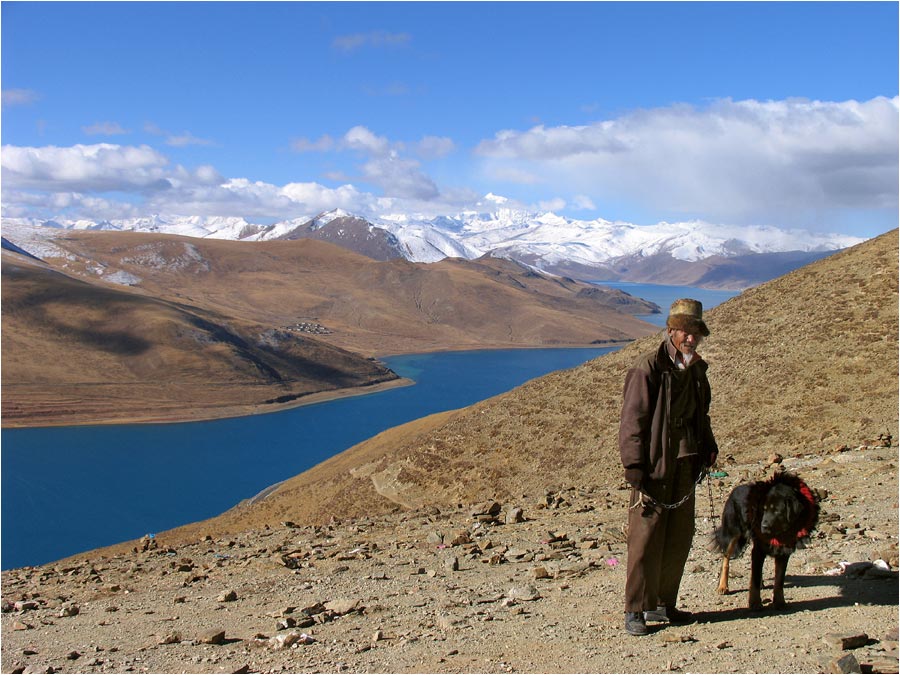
{"type": "Point", "coordinates": [709, 448]}
{"type": "Point", "coordinates": [635, 423]}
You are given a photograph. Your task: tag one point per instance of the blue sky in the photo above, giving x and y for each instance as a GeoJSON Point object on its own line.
{"type": "Point", "coordinates": [765, 113]}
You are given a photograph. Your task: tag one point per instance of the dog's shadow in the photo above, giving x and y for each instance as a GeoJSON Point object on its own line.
{"type": "Point", "coordinates": [850, 591]}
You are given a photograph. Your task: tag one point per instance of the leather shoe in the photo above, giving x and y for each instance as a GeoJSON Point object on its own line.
{"type": "Point", "coordinates": [669, 615]}
{"type": "Point", "coordinates": [635, 624]}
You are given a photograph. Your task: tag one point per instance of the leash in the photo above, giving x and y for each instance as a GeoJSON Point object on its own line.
{"type": "Point", "coordinates": [713, 516]}
{"type": "Point", "coordinates": [650, 501]}
{"type": "Point", "coordinates": [647, 500]}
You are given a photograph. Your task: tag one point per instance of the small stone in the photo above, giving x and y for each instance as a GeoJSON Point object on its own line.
{"type": "Point", "coordinates": [69, 610]}
{"type": "Point", "coordinates": [452, 564]}
{"type": "Point", "coordinates": [287, 640]}
{"type": "Point", "coordinates": [342, 606]}
{"type": "Point", "coordinates": [845, 664]}
{"type": "Point", "coordinates": [435, 538]}
{"type": "Point", "coordinates": [775, 458]}
{"type": "Point", "coordinates": [842, 641]}
{"type": "Point", "coordinates": [26, 605]}
{"type": "Point", "coordinates": [523, 593]}
{"type": "Point", "coordinates": [515, 515]}
{"type": "Point", "coordinates": [171, 639]}
{"type": "Point", "coordinates": [73, 656]}
{"type": "Point", "coordinates": [216, 636]}
{"type": "Point", "coordinates": [228, 596]}
{"type": "Point", "coordinates": [677, 637]}
{"type": "Point", "coordinates": [19, 625]}
{"type": "Point", "coordinates": [461, 538]}
{"type": "Point", "coordinates": [491, 509]}
{"type": "Point", "coordinates": [540, 573]}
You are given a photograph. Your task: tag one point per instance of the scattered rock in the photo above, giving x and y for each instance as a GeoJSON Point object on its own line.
{"type": "Point", "coordinates": [841, 641]}
{"type": "Point", "coordinates": [287, 640]}
{"type": "Point", "coordinates": [515, 515]}
{"type": "Point", "coordinates": [540, 573]}
{"type": "Point", "coordinates": [844, 664]}
{"type": "Point", "coordinates": [227, 596]}
{"type": "Point", "coordinates": [523, 593]}
{"type": "Point", "coordinates": [343, 606]}
{"type": "Point", "coordinates": [215, 636]}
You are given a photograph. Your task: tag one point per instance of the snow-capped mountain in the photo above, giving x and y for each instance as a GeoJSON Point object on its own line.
{"type": "Point", "coordinates": [545, 240]}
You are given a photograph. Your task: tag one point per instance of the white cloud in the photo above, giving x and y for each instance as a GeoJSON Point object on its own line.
{"type": "Point", "coordinates": [361, 139]}
{"type": "Point", "coordinates": [181, 140]}
{"type": "Point", "coordinates": [18, 97]}
{"type": "Point", "coordinates": [380, 39]}
{"type": "Point", "coordinates": [185, 139]}
{"type": "Point", "coordinates": [323, 144]}
{"type": "Point", "coordinates": [583, 203]}
{"type": "Point", "coordinates": [104, 129]}
{"type": "Point", "coordinates": [400, 178]}
{"type": "Point", "coordinates": [434, 147]}
{"type": "Point", "coordinates": [84, 168]}
{"type": "Point", "coordinates": [730, 161]}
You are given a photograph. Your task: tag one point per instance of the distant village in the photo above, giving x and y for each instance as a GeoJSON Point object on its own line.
{"type": "Point", "coordinates": [309, 327]}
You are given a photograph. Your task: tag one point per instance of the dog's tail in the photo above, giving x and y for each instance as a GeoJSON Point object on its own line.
{"type": "Point", "coordinates": [723, 540]}
{"type": "Point", "coordinates": [734, 525]}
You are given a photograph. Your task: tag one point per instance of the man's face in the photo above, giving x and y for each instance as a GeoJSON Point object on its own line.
{"type": "Point", "coordinates": [684, 341]}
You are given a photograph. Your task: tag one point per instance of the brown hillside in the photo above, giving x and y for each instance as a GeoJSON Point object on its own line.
{"type": "Point", "coordinates": [368, 306]}
{"type": "Point", "coordinates": [801, 364]}
{"type": "Point", "coordinates": [76, 351]}
{"type": "Point", "coordinates": [213, 328]}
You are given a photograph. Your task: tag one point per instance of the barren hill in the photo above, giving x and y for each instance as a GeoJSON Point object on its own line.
{"type": "Point", "coordinates": [191, 327]}
{"type": "Point", "coordinates": [76, 350]}
{"type": "Point", "coordinates": [799, 364]}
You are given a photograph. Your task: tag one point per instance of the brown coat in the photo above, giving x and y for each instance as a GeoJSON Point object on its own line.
{"type": "Point", "coordinates": [645, 430]}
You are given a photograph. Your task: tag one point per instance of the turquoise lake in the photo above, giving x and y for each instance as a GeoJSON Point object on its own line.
{"type": "Point", "coordinates": [70, 489]}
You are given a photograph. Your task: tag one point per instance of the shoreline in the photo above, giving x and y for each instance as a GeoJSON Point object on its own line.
{"type": "Point", "coordinates": [225, 412]}
{"type": "Point", "coordinates": [189, 415]}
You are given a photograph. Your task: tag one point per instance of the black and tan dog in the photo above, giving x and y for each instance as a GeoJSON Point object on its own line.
{"type": "Point", "coordinates": [777, 516]}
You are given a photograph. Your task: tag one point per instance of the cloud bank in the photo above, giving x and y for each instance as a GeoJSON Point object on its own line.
{"type": "Point", "coordinates": [732, 162]}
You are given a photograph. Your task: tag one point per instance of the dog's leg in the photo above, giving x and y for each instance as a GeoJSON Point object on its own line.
{"type": "Point", "coordinates": [723, 578]}
{"type": "Point", "coordinates": [781, 562]}
{"type": "Point", "coordinates": [757, 557]}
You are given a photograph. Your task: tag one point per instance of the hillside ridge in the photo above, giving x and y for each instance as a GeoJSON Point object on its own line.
{"type": "Point", "coordinates": [221, 328]}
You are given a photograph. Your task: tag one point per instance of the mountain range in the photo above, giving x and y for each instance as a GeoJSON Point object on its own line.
{"type": "Point", "coordinates": [688, 253]}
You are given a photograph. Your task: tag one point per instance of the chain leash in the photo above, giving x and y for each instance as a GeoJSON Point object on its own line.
{"type": "Point", "coordinates": [647, 500]}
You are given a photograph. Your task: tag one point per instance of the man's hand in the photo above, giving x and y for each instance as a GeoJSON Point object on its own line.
{"type": "Point", "coordinates": [635, 478]}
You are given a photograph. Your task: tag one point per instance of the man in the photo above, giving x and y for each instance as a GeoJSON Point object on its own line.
{"type": "Point", "coordinates": [666, 443]}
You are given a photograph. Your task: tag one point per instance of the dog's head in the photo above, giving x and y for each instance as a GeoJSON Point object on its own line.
{"type": "Point", "coordinates": [781, 511]}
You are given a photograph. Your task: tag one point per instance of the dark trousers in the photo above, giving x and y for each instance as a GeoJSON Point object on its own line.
{"type": "Point", "coordinates": [659, 541]}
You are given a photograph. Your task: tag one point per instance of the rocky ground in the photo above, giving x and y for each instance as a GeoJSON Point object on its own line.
{"type": "Point", "coordinates": [531, 586]}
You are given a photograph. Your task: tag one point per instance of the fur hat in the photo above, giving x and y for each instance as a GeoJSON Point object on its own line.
{"type": "Point", "coordinates": [687, 315]}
